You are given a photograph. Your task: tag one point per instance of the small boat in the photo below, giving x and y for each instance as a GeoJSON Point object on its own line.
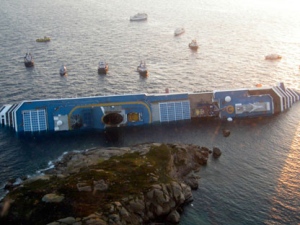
{"type": "Point", "coordinates": [44, 39]}
{"type": "Point", "coordinates": [142, 69]}
{"type": "Point", "coordinates": [179, 31]}
{"type": "Point", "coordinates": [63, 70]}
{"type": "Point", "coordinates": [273, 57]}
{"type": "Point", "coordinates": [102, 67]}
{"type": "Point", "coordinates": [28, 60]}
{"type": "Point", "coordinates": [193, 45]}
{"type": "Point", "coordinates": [139, 17]}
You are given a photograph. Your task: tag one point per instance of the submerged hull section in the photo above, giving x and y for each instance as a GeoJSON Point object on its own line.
{"type": "Point", "coordinates": [101, 112]}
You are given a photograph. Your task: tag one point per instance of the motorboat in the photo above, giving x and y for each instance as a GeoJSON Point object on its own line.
{"type": "Point", "coordinates": [139, 17]}
{"type": "Point", "coordinates": [28, 60]}
{"type": "Point", "coordinates": [44, 39]}
{"type": "Point", "coordinates": [142, 69]}
{"type": "Point", "coordinates": [102, 67]}
{"type": "Point", "coordinates": [179, 31]}
{"type": "Point", "coordinates": [273, 57]}
{"type": "Point", "coordinates": [193, 45]}
{"type": "Point", "coordinates": [63, 70]}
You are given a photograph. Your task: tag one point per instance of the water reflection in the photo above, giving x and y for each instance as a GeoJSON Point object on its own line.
{"type": "Point", "coordinates": [286, 200]}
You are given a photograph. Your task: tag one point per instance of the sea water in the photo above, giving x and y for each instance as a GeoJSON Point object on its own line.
{"type": "Point", "coordinates": [255, 181]}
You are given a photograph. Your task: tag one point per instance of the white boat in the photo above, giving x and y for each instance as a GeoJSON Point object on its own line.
{"type": "Point", "coordinates": [142, 69]}
{"type": "Point", "coordinates": [102, 67]}
{"type": "Point", "coordinates": [193, 45]}
{"type": "Point", "coordinates": [273, 57]}
{"type": "Point", "coordinates": [139, 17]}
{"type": "Point", "coordinates": [63, 70]}
{"type": "Point", "coordinates": [179, 31]}
{"type": "Point", "coordinates": [28, 60]}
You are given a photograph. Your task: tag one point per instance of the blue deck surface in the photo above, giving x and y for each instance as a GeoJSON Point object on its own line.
{"type": "Point", "coordinates": [101, 112]}
{"type": "Point", "coordinates": [91, 110]}
{"type": "Point", "coordinates": [228, 109]}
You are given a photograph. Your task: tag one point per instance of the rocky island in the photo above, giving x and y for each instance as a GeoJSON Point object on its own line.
{"type": "Point", "coordinates": [143, 184]}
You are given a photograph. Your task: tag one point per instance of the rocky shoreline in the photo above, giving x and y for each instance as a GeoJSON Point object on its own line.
{"type": "Point", "coordinates": [143, 184]}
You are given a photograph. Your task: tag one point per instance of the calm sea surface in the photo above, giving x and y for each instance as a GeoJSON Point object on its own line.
{"type": "Point", "coordinates": [257, 178]}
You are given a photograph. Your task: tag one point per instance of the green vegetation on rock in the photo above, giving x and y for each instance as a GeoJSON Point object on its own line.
{"type": "Point", "coordinates": [122, 176]}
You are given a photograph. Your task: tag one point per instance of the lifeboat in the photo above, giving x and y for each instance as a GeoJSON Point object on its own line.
{"type": "Point", "coordinates": [44, 39]}
{"type": "Point", "coordinates": [273, 57]}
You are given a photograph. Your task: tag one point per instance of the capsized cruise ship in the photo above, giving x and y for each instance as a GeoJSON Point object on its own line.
{"type": "Point", "coordinates": [101, 112]}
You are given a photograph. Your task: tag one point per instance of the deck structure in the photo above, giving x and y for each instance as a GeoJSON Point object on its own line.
{"type": "Point", "coordinates": [101, 112]}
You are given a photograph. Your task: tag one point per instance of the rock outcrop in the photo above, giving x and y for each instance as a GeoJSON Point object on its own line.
{"type": "Point", "coordinates": [226, 132]}
{"type": "Point", "coordinates": [216, 152]}
{"type": "Point", "coordinates": [143, 184]}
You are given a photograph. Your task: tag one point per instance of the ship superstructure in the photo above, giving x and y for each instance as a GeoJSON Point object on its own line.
{"type": "Point", "coordinates": [101, 112]}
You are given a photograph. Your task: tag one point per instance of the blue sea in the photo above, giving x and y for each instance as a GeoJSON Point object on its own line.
{"type": "Point", "coordinates": [257, 178]}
